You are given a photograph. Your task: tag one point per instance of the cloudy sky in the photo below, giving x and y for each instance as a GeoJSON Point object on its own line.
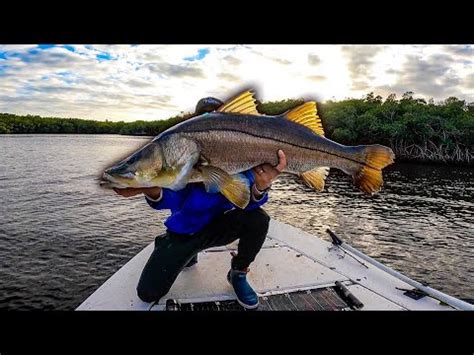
{"type": "Point", "coordinates": [121, 82]}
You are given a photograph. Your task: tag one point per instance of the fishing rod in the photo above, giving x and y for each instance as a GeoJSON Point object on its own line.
{"type": "Point", "coordinates": [451, 301]}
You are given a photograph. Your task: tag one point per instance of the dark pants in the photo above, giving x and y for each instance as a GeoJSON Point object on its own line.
{"type": "Point", "coordinates": [173, 251]}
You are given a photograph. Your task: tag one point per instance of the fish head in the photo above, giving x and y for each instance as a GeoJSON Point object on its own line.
{"type": "Point", "coordinates": [144, 168]}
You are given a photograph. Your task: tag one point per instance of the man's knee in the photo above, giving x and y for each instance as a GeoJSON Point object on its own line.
{"type": "Point", "coordinates": [258, 220]}
{"type": "Point", "coordinates": [162, 240]}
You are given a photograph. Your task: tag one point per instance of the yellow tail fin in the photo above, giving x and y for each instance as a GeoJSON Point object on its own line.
{"type": "Point", "coordinates": [369, 177]}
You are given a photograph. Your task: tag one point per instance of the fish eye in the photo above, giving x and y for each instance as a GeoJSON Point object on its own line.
{"type": "Point", "coordinates": [133, 159]}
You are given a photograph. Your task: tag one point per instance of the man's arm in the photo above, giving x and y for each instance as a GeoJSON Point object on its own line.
{"type": "Point", "coordinates": [156, 197]}
{"type": "Point", "coordinates": [265, 174]}
{"type": "Point", "coordinates": [261, 178]}
{"type": "Point", "coordinates": [154, 193]}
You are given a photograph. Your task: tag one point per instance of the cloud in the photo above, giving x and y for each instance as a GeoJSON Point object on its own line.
{"type": "Point", "coordinates": [281, 60]}
{"type": "Point", "coordinates": [466, 51]}
{"type": "Point", "coordinates": [52, 89]}
{"type": "Point", "coordinates": [361, 85]}
{"type": "Point", "coordinates": [232, 60]}
{"type": "Point", "coordinates": [228, 77]}
{"type": "Point", "coordinates": [271, 56]}
{"type": "Point", "coordinates": [432, 76]}
{"type": "Point", "coordinates": [159, 81]}
{"type": "Point", "coordinates": [313, 59]}
{"type": "Point", "coordinates": [178, 71]}
{"type": "Point", "coordinates": [468, 82]}
{"type": "Point", "coordinates": [139, 83]}
{"type": "Point", "coordinates": [316, 77]}
{"type": "Point", "coordinates": [360, 62]}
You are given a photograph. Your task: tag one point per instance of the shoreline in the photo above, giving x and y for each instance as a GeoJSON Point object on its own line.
{"type": "Point", "coordinates": [398, 158]}
{"type": "Point", "coordinates": [417, 131]}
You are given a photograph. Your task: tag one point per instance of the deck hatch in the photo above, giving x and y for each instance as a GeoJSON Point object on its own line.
{"type": "Point", "coordinates": [320, 299]}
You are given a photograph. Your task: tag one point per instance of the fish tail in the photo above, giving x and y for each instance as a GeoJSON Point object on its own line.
{"type": "Point", "coordinates": [368, 177]}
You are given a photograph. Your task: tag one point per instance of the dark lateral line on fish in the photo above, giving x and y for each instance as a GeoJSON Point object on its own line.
{"type": "Point", "coordinates": [277, 140]}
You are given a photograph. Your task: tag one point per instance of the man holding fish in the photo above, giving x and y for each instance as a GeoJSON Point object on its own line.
{"type": "Point", "coordinates": [173, 250]}
{"type": "Point", "coordinates": [213, 171]}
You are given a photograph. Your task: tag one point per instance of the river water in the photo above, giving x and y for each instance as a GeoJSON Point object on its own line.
{"type": "Point", "coordinates": [61, 236]}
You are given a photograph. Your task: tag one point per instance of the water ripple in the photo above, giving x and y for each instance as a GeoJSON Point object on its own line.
{"type": "Point", "coordinates": [61, 235]}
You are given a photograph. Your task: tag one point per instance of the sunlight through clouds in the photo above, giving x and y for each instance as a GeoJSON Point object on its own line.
{"type": "Point", "coordinates": [149, 82]}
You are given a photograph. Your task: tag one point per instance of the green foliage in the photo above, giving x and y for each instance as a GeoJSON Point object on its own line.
{"type": "Point", "coordinates": [278, 107]}
{"type": "Point", "coordinates": [10, 123]}
{"type": "Point", "coordinates": [413, 121]}
{"type": "Point", "coordinates": [412, 127]}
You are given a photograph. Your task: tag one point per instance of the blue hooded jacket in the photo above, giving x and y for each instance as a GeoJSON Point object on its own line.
{"type": "Point", "coordinates": [192, 208]}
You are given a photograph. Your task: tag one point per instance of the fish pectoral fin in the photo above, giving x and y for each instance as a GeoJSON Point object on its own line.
{"type": "Point", "coordinates": [243, 103]}
{"type": "Point", "coordinates": [307, 115]}
{"type": "Point", "coordinates": [315, 178]}
{"type": "Point", "coordinates": [232, 187]}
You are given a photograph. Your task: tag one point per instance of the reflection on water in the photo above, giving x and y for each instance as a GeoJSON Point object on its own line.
{"type": "Point", "coordinates": [61, 236]}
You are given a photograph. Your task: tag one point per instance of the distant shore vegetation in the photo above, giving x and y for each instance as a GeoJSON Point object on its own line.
{"type": "Point", "coordinates": [414, 128]}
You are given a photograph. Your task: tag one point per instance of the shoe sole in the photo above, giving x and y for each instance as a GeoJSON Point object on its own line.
{"type": "Point", "coordinates": [246, 306]}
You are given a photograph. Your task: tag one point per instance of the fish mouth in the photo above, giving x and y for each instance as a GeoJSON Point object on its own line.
{"type": "Point", "coordinates": [111, 181]}
{"type": "Point", "coordinates": [106, 178]}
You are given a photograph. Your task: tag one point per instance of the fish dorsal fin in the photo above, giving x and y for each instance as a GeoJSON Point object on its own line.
{"type": "Point", "coordinates": [306, 115]}
{"type": "Point", "coordinates": [315, 178]}
{"type": "Point", "coordinates": [243, 103]}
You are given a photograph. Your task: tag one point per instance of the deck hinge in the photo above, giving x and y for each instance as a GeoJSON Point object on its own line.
{"type": "Point", "coordinates": [413, 293]}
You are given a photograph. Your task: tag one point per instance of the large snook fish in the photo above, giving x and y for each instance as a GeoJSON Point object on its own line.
{"type": "Point", "coordinates": [214, 147]}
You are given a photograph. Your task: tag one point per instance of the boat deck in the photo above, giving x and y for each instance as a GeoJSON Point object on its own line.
{"type": "Point", "coordinates": [293, 271]}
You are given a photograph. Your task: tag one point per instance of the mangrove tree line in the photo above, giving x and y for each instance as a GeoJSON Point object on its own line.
{"type": "Point", "coordinates": [414, 128]}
